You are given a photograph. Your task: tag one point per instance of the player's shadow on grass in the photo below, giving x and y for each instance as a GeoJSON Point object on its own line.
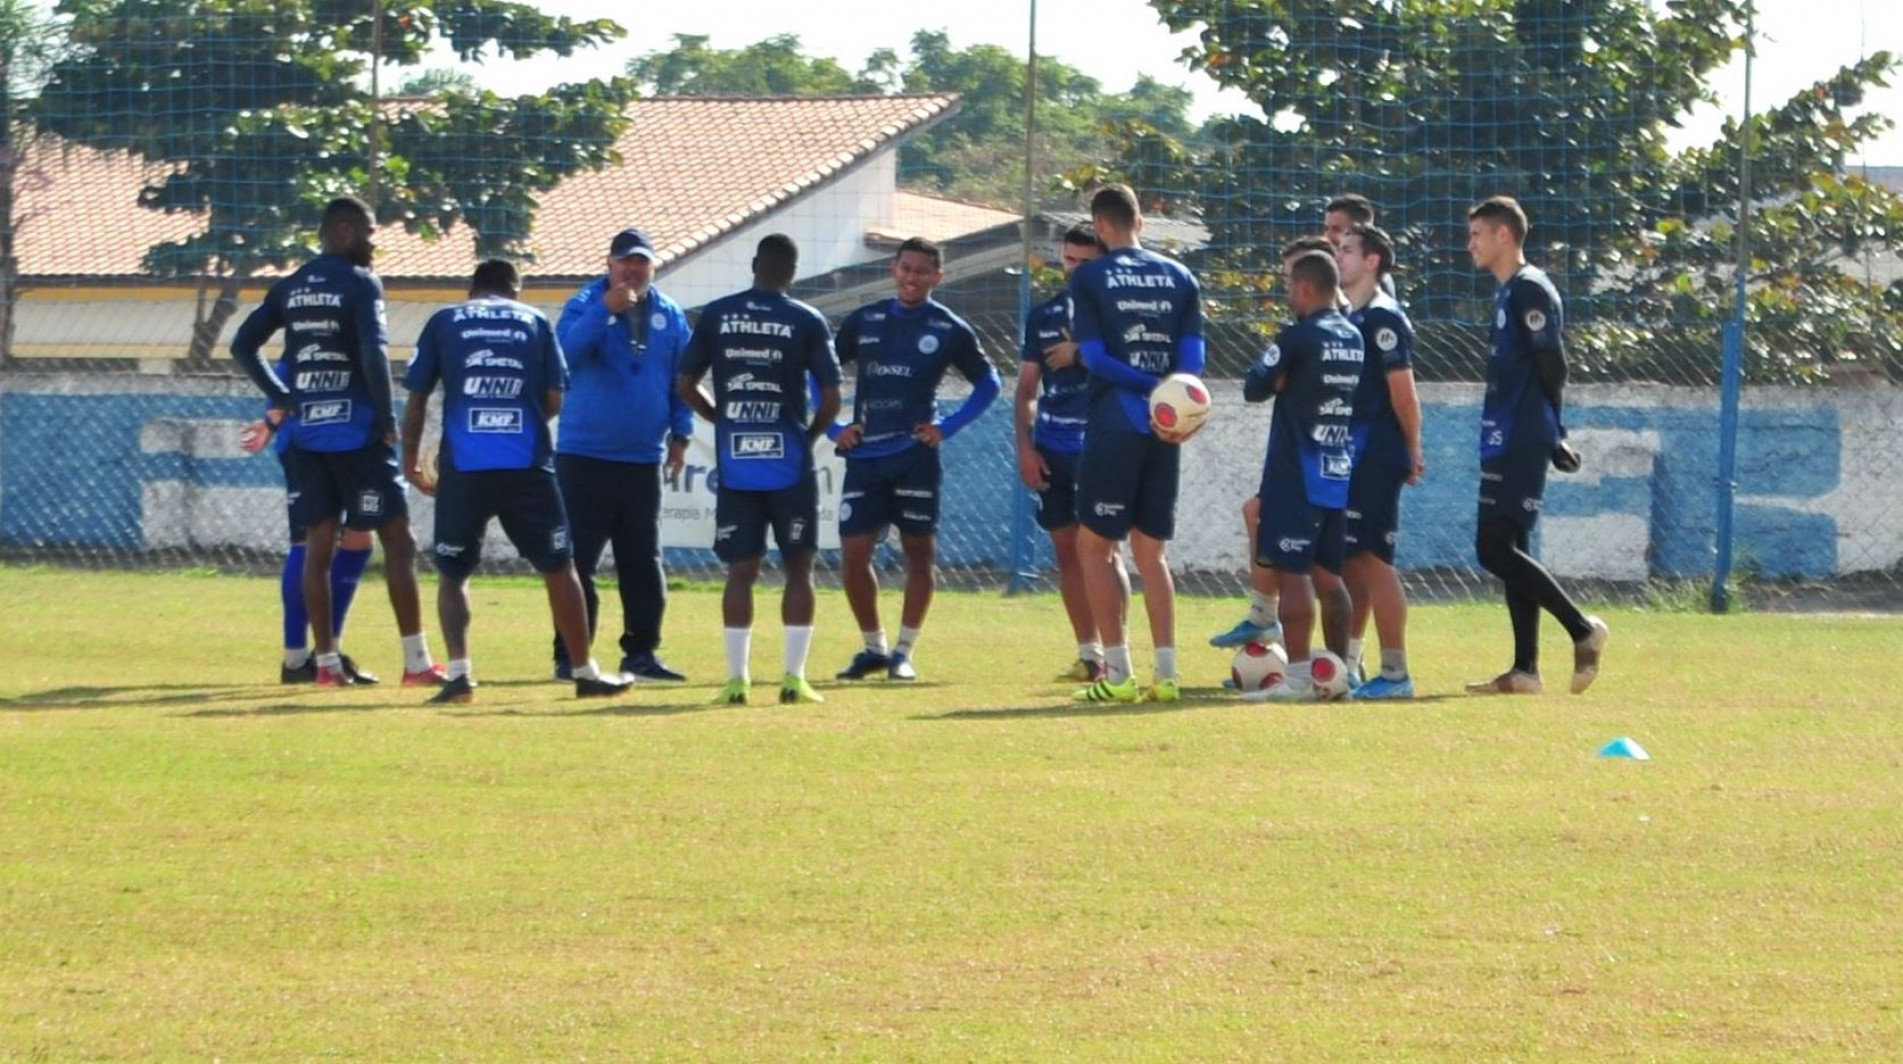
{"type": "Point", "coordinates": [130, 697]}
{"type": "Point", "coordinates": [1192, 700]}
{"type": "Point", "coordinates": [291, 709]}
{"type": "Point", "coordinates": [578, 708]}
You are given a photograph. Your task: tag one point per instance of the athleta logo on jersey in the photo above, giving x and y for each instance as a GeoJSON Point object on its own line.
{"type": "Point", "coordinates": [756, 445]}
{"type": "Point", "coordinates": [324, 412]}
{"type": "Point", "coordinates": [495, 419]}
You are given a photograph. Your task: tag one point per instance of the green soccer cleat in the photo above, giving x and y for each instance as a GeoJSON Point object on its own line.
{"type": "Point", "coordinates": [734, 694]}
{"type": "Point", "coordinates": [795, 690]}
{"type": "Point", "coordinates": [1163, 691]}
{"type": "Point", "coordinates": [1105, 691]}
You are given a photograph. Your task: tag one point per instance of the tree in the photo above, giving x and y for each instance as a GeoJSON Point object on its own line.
{"type": "Point", "coordinates": [773, 67]}
{"type": "Point", "coordinates": [432, 80]}
{"type": "Point", "coordinates": [30, 41]}
{"type": "Point", "coordinates": [259, 113]}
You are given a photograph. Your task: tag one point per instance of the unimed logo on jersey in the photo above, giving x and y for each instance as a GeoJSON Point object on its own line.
{"type": "Point", "coordinates": [325, 412]}
{"type": "Point", "coordinates": [756, 445]}
{"type": "Point", "coordinates": [495, 419]}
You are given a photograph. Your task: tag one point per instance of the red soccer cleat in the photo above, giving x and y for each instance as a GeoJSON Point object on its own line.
{"type": "Point", "coordinates": [434, 676]}
{"type": "Point", "coordinates": [336, 677]}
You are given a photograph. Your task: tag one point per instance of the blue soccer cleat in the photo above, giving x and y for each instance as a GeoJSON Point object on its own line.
{"type": "Point", "coordinates": [1381, 688]}
{"type": "Point", "coordinates": [1244, 633]}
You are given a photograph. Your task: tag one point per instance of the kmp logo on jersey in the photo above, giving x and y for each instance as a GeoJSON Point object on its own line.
{"type": "Point", "coordinates": [324, 412]}
{"type": "Point", "coordinates": [506, 420]}
{"type": "Point", "coordinates": [756, 445]}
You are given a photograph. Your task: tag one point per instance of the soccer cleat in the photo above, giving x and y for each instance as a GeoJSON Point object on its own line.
{"type": "Point", "coordinates": [305, 673]}
{"type": "Point", "coordinates": [1083, 670]}
{"type": "Point", "coordinates": [333, 677]}
{"type": "Point", "coordinates": [457, 692]}
{"type": "Point", "coordinates": [1244, 633]}
{"type": "Point", "coordinates": [1586, 655]}
{"type": "Point", "coordinates": [434, 676]}
{"type": "Point", "coordinates": [734, 694]}
{"type": "Point", "coordinates": [356, 674]}
{"type": "Point", "coordinates": [1383, 689]}
{"type": "Point", "coordinates": [865, 663]}
{"type": "Point", "coordinates": [1105, 691]}
{"type": "Point", "coordinates": [1283, 691]}
{"type": "Point", "coordinates": [600, 686]}
{"type": "Point", "coordinates": [1163, 691]}
{"type": "Point", "coordinates": [795, 690]}
{"type": "Point", "coordinates": [901, 667]}
{"type": "Point", "coordinates": [646, 668]}
{"type": "Point", "coordinates": [1511, 682]}
{"type": "Point", "coordinates": [564, 672]}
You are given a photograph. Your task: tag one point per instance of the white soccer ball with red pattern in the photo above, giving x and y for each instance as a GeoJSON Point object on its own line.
{"type": "Point", "coordinates": [1258, 666]}
{"type": "Point", "coordinates": [1179, 404]}
{"type": "Point", "coordinates": [1330, 674]}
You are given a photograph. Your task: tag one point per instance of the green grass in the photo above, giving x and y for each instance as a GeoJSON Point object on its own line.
{"type": "Point", "coordinates": [196, 863]}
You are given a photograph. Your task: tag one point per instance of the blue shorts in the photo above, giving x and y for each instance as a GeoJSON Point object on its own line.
{"type": "Point", "coordinates": [363, 485]}
{"type": "Point", "coordinates": [1512, 485]}
{"type": "Point", "coordinates": [528, 503]}
{"type": "Point", "coordinates": [1374, 510]}
{"type": "Point", "coordinates": [741, 520]}
{"type": "Point", "coordinates": [297, 531]}
{"type": "Point", "coordinates": [1295, 534]}
{"type": "Point", "coordinates": [899, 489]}
{"type": "Point", "coordinates": [1128, 480]}
{"type": "Point", "coordinates": [1057, 503]}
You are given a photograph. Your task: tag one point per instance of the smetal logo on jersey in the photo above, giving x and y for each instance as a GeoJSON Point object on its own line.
{"type": "Point", "coordinates": [756, 445]}
{"type": "Point", "coordinates": [505, 420]}
{"type": "Point", "coordinates": [928, 344]}
{"type": "Point", "coordinates": [324, 412]}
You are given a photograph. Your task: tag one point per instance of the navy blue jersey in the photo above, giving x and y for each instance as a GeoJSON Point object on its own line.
{"type": "Point", "coordinates": [1137, 317]}
{"type": "Point", "coordinates": [337, 347]}
{"type": "Point", "coordinates": [497, 360]}
{"type": "Point", "coordinates": [760, 348]}
{"type": "Point", "coordinates": [902, 354]}
{"type": "Point", "coordinates": [1388, 339]}
{"type": "Point", "coordinates": [1062, 406]}
{"type": "Point", "coordinates": [1310, 443]}
{"type": "Point", "coordinates": [1527, 319]}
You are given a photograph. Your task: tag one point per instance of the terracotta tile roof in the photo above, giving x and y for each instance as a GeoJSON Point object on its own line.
{"type": "Point", "coordinates": [692, 170]}
{"type": "Point", "coordinates": [939, 220]}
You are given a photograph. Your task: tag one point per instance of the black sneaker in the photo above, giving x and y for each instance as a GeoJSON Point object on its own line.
{"type": "Point", "coordinates": [646, 668]}
{"type": "Point", "coordinates": [866, 663]}
{"type": "Point", "coordinates": [600, 686]}
{"type": "Point", "coordinates": [305, 673]}
{"type": "Point", "coordinates": [358, 675]}
{"type": "Point", "coordinates": [457, 692]}
{"type": "Point", "coordinates": [564, 672]}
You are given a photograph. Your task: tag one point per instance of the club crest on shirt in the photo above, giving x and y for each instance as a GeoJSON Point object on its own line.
{"type": "Point", "coordinates": [1386, 339]}
{"type": "Point", "coordinates": [658, 322]}
{"type": "Point", "coordinates": [928, 344]}
{"type": "Point", "coordinates": [1273, 356]}
{"type": "Point", "coordinates": [1535, 320]}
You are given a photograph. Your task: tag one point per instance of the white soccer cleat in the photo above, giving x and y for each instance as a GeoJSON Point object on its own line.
{"type": "Point", "coordinates": [1283, 691]}
{"type": "Point", "coordinates": [1586, 655]}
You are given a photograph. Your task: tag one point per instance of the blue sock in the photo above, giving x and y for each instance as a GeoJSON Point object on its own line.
{"type": "Point", "coordinates": [291, 591]}
{"type": "Point", "coordinates": [346, 570]}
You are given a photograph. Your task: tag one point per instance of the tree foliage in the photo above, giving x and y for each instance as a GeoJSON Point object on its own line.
{"type": "Point", "coordinates": [260, 112]}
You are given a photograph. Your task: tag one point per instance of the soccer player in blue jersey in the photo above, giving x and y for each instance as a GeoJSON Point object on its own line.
{"type": "Point", "coordinates": [901, 348]}
{"type": "Point", "coordinates": [764, 351]}
{"type": "Point", "coordinates": [346, 571]}
{"type": "Point", "coordinates": [1521, 432]}
{"type": "Point", "coordinates": [503, 376]}
{"type": "Point", "coordinates": [1138, 318]}
{"type": "Point", "coordinates": [341, 457]}
{"type": "Point", "coordinates": [1387, 434]}
{"type": "Point", "coordinates": [623, 430]}
{"type": "Point", "coordinates": [1049, 416]}
{"type": "Point", "coordinates": [1312, 370]}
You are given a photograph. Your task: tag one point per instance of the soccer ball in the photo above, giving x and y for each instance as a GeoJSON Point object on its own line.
{"type": "Point", "coordinates": [1179, 404]}
{"type": "Point", "coordinates": [1330, 674]}
{"type": "Point", "coordinates": [1258, 666]}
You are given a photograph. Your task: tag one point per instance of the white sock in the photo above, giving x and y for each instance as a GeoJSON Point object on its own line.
{"type": "Point", "coordinates": [1298, 675]}
{"type": "Point", "coordinates": [1166, 663]}
{"type": "Point", "coordinates": [799, 637]}
{"type": "Point", "coordinates": [332, 660]}
{"type": "Point", "coordinates": [875, 640]}
{"type": "Point", "coordinates": [1262, 608]}
{"type": "Point", "coordinates": [908, 638]}
{"type": "Point", "coordinates": [459, 668]}
{"type": "Point", "coordinates": [590, 671]}
{"type": "Point", "coordinates": [295, 659]}
{"type": "Point", "coordinates": [1393, 664]}
{"type": "Point", "coordinates": [416, 653]}
{"type": "Point", "coordinates": [1353, 660]}
{"type": "Point", "coordinates": [1090, 652]}
{"type": "Point", "coordinates": [1116, 664]}
{"type": "Point", "coordinates": [739, 649]}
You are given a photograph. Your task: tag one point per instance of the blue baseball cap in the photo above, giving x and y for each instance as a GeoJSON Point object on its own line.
{"type": "Point", "coordinates": [629, 243]}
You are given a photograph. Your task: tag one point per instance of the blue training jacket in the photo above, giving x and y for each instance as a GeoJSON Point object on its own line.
{"type": "Point", "coordinates": [621, 404]}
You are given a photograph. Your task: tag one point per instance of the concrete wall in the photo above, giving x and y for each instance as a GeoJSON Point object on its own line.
{"type": "Point", "coordinates": [129, 463]}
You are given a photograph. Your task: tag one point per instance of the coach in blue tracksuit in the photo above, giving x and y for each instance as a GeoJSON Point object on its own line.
{"type": "Point", "coordinates": [622, 430]}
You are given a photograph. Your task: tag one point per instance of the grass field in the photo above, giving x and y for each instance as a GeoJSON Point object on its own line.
{"type": "Point", "coordinates": [198, 864]}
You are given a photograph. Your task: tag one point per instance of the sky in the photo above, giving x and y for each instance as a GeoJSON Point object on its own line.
{"type": "Point", "coordinates": [1800, 42]}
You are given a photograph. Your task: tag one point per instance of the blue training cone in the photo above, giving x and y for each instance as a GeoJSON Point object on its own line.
{"type": "Point", "coordinates": [1626, 748]}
